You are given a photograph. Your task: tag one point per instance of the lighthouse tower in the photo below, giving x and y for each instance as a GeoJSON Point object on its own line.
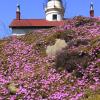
{"type": "Point", "coordinates": [54, 10]}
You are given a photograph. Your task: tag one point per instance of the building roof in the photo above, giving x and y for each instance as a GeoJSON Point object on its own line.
{"type": "Point", "coordinates": [27, 23]}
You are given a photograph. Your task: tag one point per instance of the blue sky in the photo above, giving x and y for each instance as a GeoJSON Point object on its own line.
{"type": "Point", "coordinates": [34, 9]}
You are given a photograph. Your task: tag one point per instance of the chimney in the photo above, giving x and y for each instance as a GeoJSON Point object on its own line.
{"type": "Point", "coordinates": [91, 10]}
{"type": "Point", "coordinates": [18, 12]}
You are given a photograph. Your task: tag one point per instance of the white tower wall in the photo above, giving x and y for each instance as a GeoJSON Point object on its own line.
{"type": "Point", "coordinates": [49, 16]}
{"type": "Point", "coordinates": [54, 10]}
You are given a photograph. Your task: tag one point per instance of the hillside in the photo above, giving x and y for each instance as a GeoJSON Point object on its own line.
{"type": "Point", "coordinates": [27, 72]}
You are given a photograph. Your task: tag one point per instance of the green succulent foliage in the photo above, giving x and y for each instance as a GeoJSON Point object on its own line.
{"type": "Point", "coordinates": [12, 88]}
{"type": "Point", "coordinates": [91, 95]}
{"type": "Point", "coordinates": [98, 23]}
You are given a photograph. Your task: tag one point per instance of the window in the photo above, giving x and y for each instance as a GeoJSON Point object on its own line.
{"type": "Point", "coordinates": [54, 17]}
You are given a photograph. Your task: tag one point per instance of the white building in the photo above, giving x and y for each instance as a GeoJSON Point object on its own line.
{"type": "Point", "coordinates": [54, 11]}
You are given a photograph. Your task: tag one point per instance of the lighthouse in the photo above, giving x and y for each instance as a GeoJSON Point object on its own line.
{"type": "Point", "coordinates": [54, 10]}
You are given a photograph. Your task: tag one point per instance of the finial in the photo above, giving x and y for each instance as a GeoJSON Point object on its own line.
{"type": "Point", "coordinates": [18, 8]}
{"type": "Point", "coordinates": [91, 10]}
{"type": "Point", "coordinates": [91, 3]}
{"type": "Point", "coordinates": [91, 6]}
{"type": "Point", "coordinates": [18, 12]}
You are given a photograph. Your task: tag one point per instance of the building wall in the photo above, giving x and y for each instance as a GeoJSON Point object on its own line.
{"type": "Point", "coordinates": [21, 31]}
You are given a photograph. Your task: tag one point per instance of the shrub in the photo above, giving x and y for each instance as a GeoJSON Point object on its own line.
{"type": "Point", "coordinates": [29, 38]}
{"type": "Point", "coordinates": [96, 53]}
{"type": "Point", "coordinates": [95, 41]}
{"type": "Point", "coordinates": [78, 74]}
{"type": "Point", "coordinates": [70, 67]}
{"type": "Point", "coordinates": [57, 47]}
{"type": "Point", "coordinates": [67, 35]}
{"type": "Point", "coordinates": [51, 38]}
{"type": "Point", "coordinates": [64, 35]}
{"type": "Point", "coordinates": [82, 21]}
{"type": "Point", "coordinates": [60, 60]}
{"type": "Point", "coordinates": [43, 94]}
{"type": "Point", "coordinates": [78, 42]}
{"type": "Point", "coordinates": [70, 60]}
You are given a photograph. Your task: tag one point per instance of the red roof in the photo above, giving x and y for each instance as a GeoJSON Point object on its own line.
{"type": "Point", "coordinates": [34, 23]}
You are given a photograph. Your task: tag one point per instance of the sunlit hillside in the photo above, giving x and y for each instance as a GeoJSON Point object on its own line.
{"type": "Point", "coordinates": [61, 63]}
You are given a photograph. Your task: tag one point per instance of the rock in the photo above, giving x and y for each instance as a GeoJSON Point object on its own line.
{"type": "Point", "coordinates": [57, 47]}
